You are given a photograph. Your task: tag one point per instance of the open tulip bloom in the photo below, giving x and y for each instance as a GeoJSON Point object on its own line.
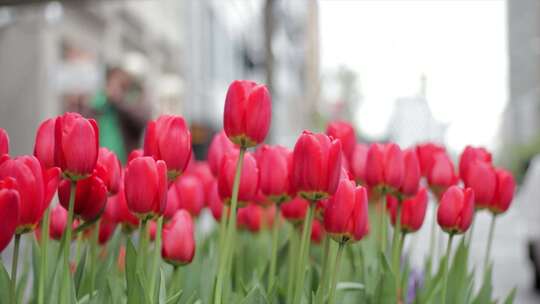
{"type": "Point", "coordinates": [329, 220]}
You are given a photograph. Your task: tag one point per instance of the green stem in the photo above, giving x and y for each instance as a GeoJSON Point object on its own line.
{"type": "Point", "coordinates": [67, 243]}
{"type": "Point", "coordinates": [78, 245]}
{"type": "Point", "coordinates": [43, 267]}
{"type": "Point", "coordinates": [231, 229]}
{"type": "Point", "coordinates": [489, 243]}
{"type": "Point", "coordinates": [293, 244]}
{"type": "Point", "coordinates": [396, 241]}
{"type": "Point", "coordinates": [337, 264]}
{"type": "Point", "coordinates": [382, 224]}
{"type": "Point", "coordinates": [432, 239]}
{"type": "Point", "coordinates": [471, 230]}
{"type": "Point", "coordinates": [14, 266]}
{"type": "Point", "coordinates": [93, 257]}
{"type": "Point", "coordinates": [304, 253]}
{"type": "Point", "coordinates": [143, 240]}
{"type": "Point", "coordinates": [157, 255]}
{"type": "Point", "coordinates": [273, 259]}
{"type": "Point", "coordinates": [323, 284]}
{"type": "Point", "coordinates": [446, 260]}
{"type": "Point", "coordinates": [222, 228]}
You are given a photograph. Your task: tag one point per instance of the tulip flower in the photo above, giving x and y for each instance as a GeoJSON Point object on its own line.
{"type": "Point", "coordinates": [384, 167]}
{"type": "Point", "coordinates": [57, 222]}
{"type": "Point", "coordinates": [107, 225]}
{"type": "Point", "coordinates": [426, 153]}
{"type": "Point", "coordinates": [455, 211]}
{"type": "Point", "coordinates": [145, 185]}
{"type": "Point", "coordinates": [168, 139]}
{"type": "Point", "coordinates": [470, 155]}
{"type": "Point", "coordinates": [36, 187]}
{"type": "Point", "coordinates": [247, 115]}
{"type": "Point", "coordinates": [109, 170]}
{"type": "Point", "coordinates": [411, 174]}
{"type": "Point", "coordinates": [250, 218]}
{"type": "Point", "coordinates": [90, 197]}
{"type": "Point", "coordinates": [504, 192]}
{"type": "Point", "coordinates": [317, 232]}
{"type": "Point", "coordinates": [316, 166]}
{"type": "Point", "coordinates": [481, 178]}
{"type": "Point", "coordinates": [413, 211]}
{"type": "Point", "coordinates": [274, 166]}
{"type": "Point", "coordinates": [215, 202]}
{"type": "Point", "coordinates": [178, 247]}
{"type": "Point", "coordinates": [76, 145]}
{"type": "Point", "coordinates": [134, 154]}
{"type": "Point", "coordinates": [249, 180]}
{"type": "Point", "coordinates": [201, 170]}
{"type": "Point", "coordinates": [344, 131]}
{"type": "Point", "coordinates": [441, 174]}
{"type": "Point", "coordinates": [190, 194]}
{"type": "Point", "coordinates": [219, 147]}
{"type": "Point", "coordinates": [295, 210]}
{"type": "Point", "coordinates": [4, 142]}
{"type": "Point", "coordinates": [121, 212]}
{"type": "Point", "coordinates": [44, 145]}
{"type": "Point", "coordinates": [358, 163]}
{"type": "Point", "coordinates": [9, 208]}
{"type": "Point", "coordinates": [270, 217]}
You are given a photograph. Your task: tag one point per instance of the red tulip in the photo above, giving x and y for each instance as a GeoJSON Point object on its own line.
{"type": "Point", "coordinates": [215, 203]}
{"type": "Point", "coordinates": [122, 215]}
{"type": "Point", "coordinates": [76, 145]}
{"type": "Point", "coordinates": [190, 194]}
{"type": "Point", "coordinates": [316, 166]}
{"type": "Point", "coordinates": [35, 185]}
{"type": "Point", "coordinates": [168, 139]}
{"type": "Point", "coordinates": [145, 185]}
{"type": "Point", "coordinates": [295, 210]}
{"type": "Point", "coordinates": [358, 163]}
{"type": "Point", "coordinates": [57, 222]}
{"type": "Point", "coordinates": [90, 197]}
{"type": "Point", "coordinates": [9, 209]}
{"type": "Point", "coordinates": [44, 144]}
{"type": "Point", "coordinates": [343, 131]}
{"type": "Point", "coordinates": [172, 203]}
{"type": "Point", "coordinates": [178, 247]}
{"type": "Point", "coordinates": [384, 166]}
{"type": "Point", "coordinates": [134, 154]}
{"type": "Point", "coordinates": [346, 213]}
{"type": "Point", "coordinates": [456, 210]}
{"type": "Point", "coordinates": [109, 170]}
{"type": "Point", "coordinates": [249, 180]}
{"type": "Point", "coordinates": [269, 218]}
{"type": "Point", "coordinates": [441, 175]}
{"type": "Point", "coordinates": [201, 170]}
{"type": "Point", "coordinates": [481, 178]}
{"type": "Point", "coordinates": [317, 232]}
{"type": "Point", "coordinates": [250, 217]}
{"type": "Point", "coordinates": [411, 173]}
{"type": "Point", "coordinates": [470, 155]}
{"type": "Point", "coordinates": [426, 153]}
{"type": "Point", "coordinates": [248, 110]}
{"type": "Point", "coordinates": [219, 147]}
{"type": "Point", "coordinates": [107, 224]}
{"type": "Point", "coordinates": [274, 167]}
{"type": "Point", "coordinates": [4, 142]}
{"type": "Point", "coordinates": [413, 211]}
{"type": "Point", "coordinates": [504, 192]}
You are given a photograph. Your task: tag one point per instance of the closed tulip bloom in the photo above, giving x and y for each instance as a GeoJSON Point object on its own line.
{"type": "Point", "coordinates": [178, 245]}
{"type": "Point", "coordinates": [504, 192]}
{"type": "Point", "coordinates": [168, 139]}
{"type": "Point", "coordinates": [90, 197]}
{"type": "Point", "coordinates": [316, 166]}
{"type": "Point", "coordinates": [57, 222]}
{"type": "Point", "coordinates": [384, 166]}
{"type": "Point", "coordinates": [201, 170]}
{"type": "Point", "coordinates": [172, 203]}
{"type": "Point", "coordinates": [122, 215]}
{"type": "Point", "coordinates": [411, 173]}
{"type": "Point", "coordinates": [215, 202]}
{"type": "Point", "coordinates": [190, 193]}
{"type": "Point", "coordinates": [134, 154]}
{"type": "Point", "coordinates": [295, 210]}
{"type": "Point", "coordinates": [317, 232]}
{"type": "Point", "coordinates": [346, 213]}
{"type": "Point", "coordinates": [456, 208]}
{"type": "Point", "coordinates": [441, 174]}
{"type": "Point", "coordinates": [274, 166]}
{"type": "Point", "coordinates": [468, 156]}
{"type": "Point", "coordinates": [358, 163]}
{"type": "Point", "coordinates": [107, 225]}
{"type": "Point", "coordinates": [413, 211]}
{"type": "Point", "coordinates": [344, 131]}
{"type": "Point", "coordinates": [249, 179]}
{"type": "Point", "coordinates": [426, 156]}
{"type": "Point", "coordinates": [44, 143]}
{"type": "Point", "coordinates": [145, 185]}
{"type": "Point", "coordinates": [109, 170]}
{"type": "Point", "coordinates": [250, 218]}
{"type": "Point", "coordinates": [247, 115]}
{"type": "Point", "coordinates": [219, 147]}
{"type": "Point", "coordinates": [481, 178]}
{"type": "Point", "coordinates": [9, 209]}
{"type": "Point", "coordinates": [36, 187]}
{"type": "Point", "coordinates": [4, 142]}
{"type": "Point", "coordinates": [76, 143]}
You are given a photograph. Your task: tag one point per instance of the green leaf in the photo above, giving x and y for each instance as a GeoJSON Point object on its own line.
{"type": "Point", "coordinates": [484, 294]}
{"type": "Point", "coordinates": [431, 286]}
{"type": "Point", "coordinates": [350, 286]}
{"type": "Point", "coordinates": [174, 298]}
{"type": "Point", "coordinates": [510, 297]}
{"type": "Point", "coordinates": [386, 288]}
{"type": "Point", "coordinates": [5, 285]}
{"type": "Point", "coordinates": [79, 274]}
{"type": "Point", "coordinates": [255, 296]}
{"type": "Point", "coordinates": [133, 291]}
{"type": "Point", "coordinates": [458, 277]}
{"type": "Point", "coordinates": [162, 283]}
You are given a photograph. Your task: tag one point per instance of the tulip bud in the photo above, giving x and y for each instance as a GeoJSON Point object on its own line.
{"type": "Point", "coordinates": [384, 167]}
{"type": "Point", "coordinates": [57, 222]}
{"type": "Point", "coordinates": [294, 210]}
{"type": "Point", "coordinates": [190, 194]}
{"type": "Point", "coordinates": [201, 170]}
{"type": "Point", "coordinates": [109, 170]}
{"type": "Point", "coordinates": [317, 232]}
{"type": "Point", "coordinates": [456, 208]}
{"type": "Point", "coordinates": [178, 246]}
{"type": "Point", "coordinates": [411, 173]}
{"type": "Point", "coordinates": [168, 139]}
{"type": "Point", "coordinates": [134, 154]}
{"type": "Point", "coordinates": [145, 185]}
{"type": "Point", "coordinates": [346, 213]}
{"type": "Point", "coordinates": [481, 178]}
{"type": "Point", "coordinates": [504, 192]}
{"type": "Point", "coordinates": [215, 203]}
{"type": "Point", "coordinates": [413, 211]}
{"type": "Point", "coordinates": [250, 218]}
{"type": "Point", "coordinates": [4, 142]}
{"type": "Point", "coordinates": [470, 155]}
{"type": "Point", "coordinates": [107, 225]}
{"type": "Point", "coordinates": [343, 131]}
{"type": "Point", "coordinates": [121, 213]}
{"type": "Point", "coordinates": [358, 163]}
{"type": "Point", "coordinates": [249, 180]}
{"type": "Point", "coordinates": [316, 166]}
{"type": "Point", "coordinates": [274, 167]}
{"type": "Point", "coordinates": [219, 147]}
{"type": "Point", "coordinates": [9, 209]}
{"type": "Point", "coordinates": [426, 153]}
{"type": "Point", "coordinates": [44, 144]}
{"type": "Point", "coordinates": [76, 143]}
{"type": "Point", "coordinates": [441, 175]}
{"type": "Point", "coordinates": [248, 110]}
{"type": "Point", "coordinates": [90, 197]}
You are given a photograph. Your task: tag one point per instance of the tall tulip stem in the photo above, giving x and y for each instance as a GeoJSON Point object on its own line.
{"type": "Point", "coordinates": [14, 266]}
{"type": "Point", "coordinates": [293, 244]}
{"type": "Point", "coordinates": [93, 256]}
{"type": "Point", "coordinates": [67, 234]}
{"type": "Point", "coordinates": [273, 259]}
{"type": "Point", "coordinates": [432, 238]}
{"type": "Point", "coordinates": [43, 267]}
{"type": "Point", "coordinates": [489, 243]}
{"type": "Point", "coordinates": [157, 255]}
{"type": "Point", "coordinates": [143, 240]}
{"type": "Point", "coordinates": [324, 280]}
{"type": "Point", "coordinates": [382, 224]}
{"type": "Point", "coordinates": [396, 245]}
{"type": "Point", "coordinates": [446, 260]}
{"type": "Point", "coordinates": [337, 264]}
{"type": "Point", "coordinates": [304, 253]}
{"type": "Point", "coordinates": [231, 229]}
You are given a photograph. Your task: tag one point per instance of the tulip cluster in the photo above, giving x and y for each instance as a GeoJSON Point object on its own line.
{"type": "Point", "coordinates": [305, 206]}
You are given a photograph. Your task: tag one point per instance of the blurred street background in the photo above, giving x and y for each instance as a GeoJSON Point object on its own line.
{"type": "Point", "coordinates": [454, 72]}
